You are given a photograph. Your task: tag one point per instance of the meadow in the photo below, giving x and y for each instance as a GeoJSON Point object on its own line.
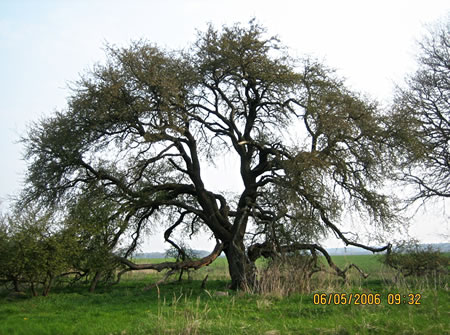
{"type": "Point", "coordinates": [185, 308]}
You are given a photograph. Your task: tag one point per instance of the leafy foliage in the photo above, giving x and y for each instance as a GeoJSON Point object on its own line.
{"type": "Point", "coordinates": [424, 107]}
{"type": "Point", "coordinates": [413, 260]}
{"type": "Point", "coordinates": [141, 128]}
{"type": "Point", "coordinates": [96, 228]}
{"type": "Point", "coordinates": [31, 253]}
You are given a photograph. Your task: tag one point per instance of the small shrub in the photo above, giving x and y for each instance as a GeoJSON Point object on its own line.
{"type": "Point", "coordinates": [417, 261]}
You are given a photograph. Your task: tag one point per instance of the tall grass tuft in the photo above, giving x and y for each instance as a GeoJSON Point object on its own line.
{"type": "Point", "coordinates": [182, 315]}
{"type": "Point", "coordinates": [283, 277]}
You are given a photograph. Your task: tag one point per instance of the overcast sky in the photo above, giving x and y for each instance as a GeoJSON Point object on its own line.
{"type": "Point", "coordinates": [45, 45]}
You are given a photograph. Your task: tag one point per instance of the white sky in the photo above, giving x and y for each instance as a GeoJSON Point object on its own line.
{"type": "Point", "coordinates": [44, 45]}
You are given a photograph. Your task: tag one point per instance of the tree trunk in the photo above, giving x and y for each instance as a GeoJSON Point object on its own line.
{"type": "Point", "coordinates": [16, 285]}
{"type": "Point", "coordinates": [47, 286]}
{"type": "Point", "coordinates": [33, 290]}
{"type": "Point", "coordinates": [95, 280]}
{"type": "Point", "coordinates": [242, 270]}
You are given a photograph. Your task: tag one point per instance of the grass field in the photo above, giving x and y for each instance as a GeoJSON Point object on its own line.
{"type": "Point", "coordinates": [185, 308]}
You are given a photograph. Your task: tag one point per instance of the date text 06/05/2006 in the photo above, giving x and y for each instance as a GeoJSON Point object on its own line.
{"type": "Point", "coordinates": [366, 298]}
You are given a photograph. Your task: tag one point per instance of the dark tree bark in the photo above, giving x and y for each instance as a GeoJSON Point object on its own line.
{"type": "Point", "coordinates": [47, 285]}
{"type": "Point", "coordinates": [95, 281]}
{"type": "Point", "coordinates": [16, 285]}
{"type": "Point", "coordinates": [242, 270]}
{"type": "Point", "coordinates": [174, 266]}
{"type": "Point", "coordinates": [33, 290]}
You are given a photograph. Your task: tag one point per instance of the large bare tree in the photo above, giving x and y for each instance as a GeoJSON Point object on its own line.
{"type": "Point", "coordinates": [144, 126]}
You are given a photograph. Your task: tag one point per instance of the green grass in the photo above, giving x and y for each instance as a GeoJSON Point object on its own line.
{"type": "Point", "coordinates": [184, 308]}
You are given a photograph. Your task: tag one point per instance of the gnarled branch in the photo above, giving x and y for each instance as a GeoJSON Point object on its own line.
{"type": "Point", "coordinates": [185, 265]}
{"type": "Point", "coordinates": [266, 250]}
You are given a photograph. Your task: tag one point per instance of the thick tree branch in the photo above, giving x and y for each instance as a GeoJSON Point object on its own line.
{"type": "Point", "coordinates": [267, 250]}
{"type": "Point", "coordinates": [185, 265]}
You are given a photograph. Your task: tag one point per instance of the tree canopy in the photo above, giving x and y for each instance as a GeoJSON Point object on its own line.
{"type": "Point", "coordinates": [139, 131]}
{"type": "Point", "coordinates": [424, 104]}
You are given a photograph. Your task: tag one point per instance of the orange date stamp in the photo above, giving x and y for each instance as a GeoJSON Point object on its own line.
{"type": "Point", "coordinates": [366, 299]}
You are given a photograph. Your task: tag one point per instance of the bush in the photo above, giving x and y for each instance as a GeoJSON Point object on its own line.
{"type": "Point", "coordinates": [413, 260]}
{"type": "Point", "coordinates": [31, 254]}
